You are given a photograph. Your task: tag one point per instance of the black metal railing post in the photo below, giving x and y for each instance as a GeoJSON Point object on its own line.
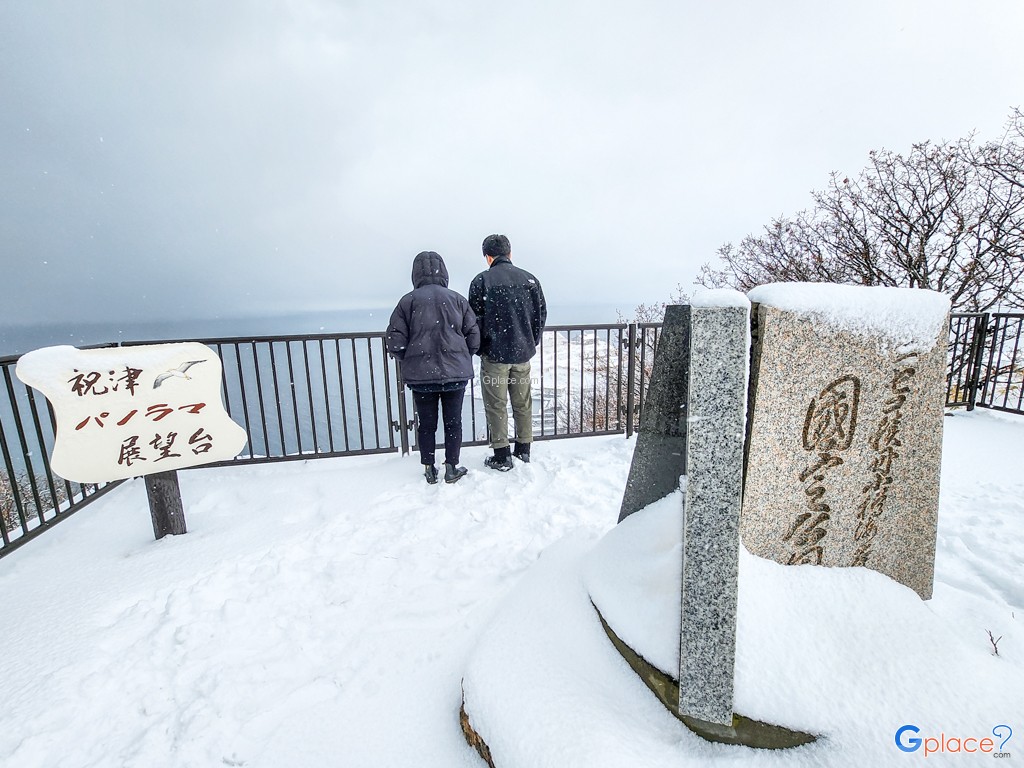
{"type": "Point", "coordinates": [630, 377]}
{"type": "Point", "coordinates": [977, 356]}
{"type": "Point", "coordinates": [402, 425]}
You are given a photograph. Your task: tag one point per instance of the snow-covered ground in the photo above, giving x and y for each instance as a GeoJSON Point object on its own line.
{"type": "Point", "coordinates": [325, 613]}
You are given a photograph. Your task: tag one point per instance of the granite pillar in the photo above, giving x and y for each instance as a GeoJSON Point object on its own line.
{"type": "Point", "coordinates": [719, 354]}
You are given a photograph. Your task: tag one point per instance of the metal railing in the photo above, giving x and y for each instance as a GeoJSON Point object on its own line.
{"type": "Point", "coordinates": [321, 396]}
{"type": "Point", "coordinates": [32, 497]}
{"type": "Point", "coordinates": [308, 396]}
{"type": "Point", "coordinates": [986, 361]}
{"type": "Point", "coordinates": [587, 380]}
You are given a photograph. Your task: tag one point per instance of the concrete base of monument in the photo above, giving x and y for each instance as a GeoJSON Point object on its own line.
{"type": "Point", "coordinates": [743, 730]}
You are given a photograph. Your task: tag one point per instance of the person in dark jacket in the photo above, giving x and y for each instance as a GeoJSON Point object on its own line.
{"type": "Point", "coordinates": [434, 333]}
{"type": "Point", "coordinates": [510, 306]}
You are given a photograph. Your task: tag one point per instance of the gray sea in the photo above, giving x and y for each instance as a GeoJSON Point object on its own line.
{"type": "Point", "coordinates": [16, 340]}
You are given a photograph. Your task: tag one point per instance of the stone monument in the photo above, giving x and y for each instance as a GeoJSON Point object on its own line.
{"type": "Point", "coordinates": [659, 458]}
{"type": "Point", "coordinates": [695, 416]}
{"type": "Point", "coordinates": [845, 428]}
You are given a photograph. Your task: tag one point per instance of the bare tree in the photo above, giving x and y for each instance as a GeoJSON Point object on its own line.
{"type": "Point", "coordinates": [948, 217]}
{"type": "Point", "coordinates": [1005, 157]}
{"type": "Point", "coordinates": [655, 311]}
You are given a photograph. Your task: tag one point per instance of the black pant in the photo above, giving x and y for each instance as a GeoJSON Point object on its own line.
{"type": "Point", "coordinates": [451, 408]}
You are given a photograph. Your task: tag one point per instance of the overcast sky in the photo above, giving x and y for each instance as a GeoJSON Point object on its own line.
{"type": "Point", "coordinates": [214, 158]}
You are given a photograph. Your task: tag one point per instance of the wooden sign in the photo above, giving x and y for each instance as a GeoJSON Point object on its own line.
{"type": "Point", "coordinates": [129, 411]}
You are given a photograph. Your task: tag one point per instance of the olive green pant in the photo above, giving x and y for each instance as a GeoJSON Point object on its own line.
{"type": "Point", "coordinates": [501, 383]}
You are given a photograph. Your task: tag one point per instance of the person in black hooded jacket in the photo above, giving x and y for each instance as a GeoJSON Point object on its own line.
{"type": "Point", "coordinates": [434, 333]}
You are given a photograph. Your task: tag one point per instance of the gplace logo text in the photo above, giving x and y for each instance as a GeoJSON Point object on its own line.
{"type": "Point", "coordinates": [908, 739]}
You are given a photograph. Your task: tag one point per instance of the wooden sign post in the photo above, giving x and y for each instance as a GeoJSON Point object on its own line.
{"type": "Point", "coordinates": [165, 505]}
{"type": "Point", "coordinates": [135, 411]}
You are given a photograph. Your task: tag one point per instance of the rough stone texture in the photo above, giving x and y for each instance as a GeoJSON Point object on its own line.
{"type": "Point", "coordinates": [844, 449]}
{"type": "Point", "coordinates": [719, 353]}
{"type": "Point", "coordinates": [659, 457]}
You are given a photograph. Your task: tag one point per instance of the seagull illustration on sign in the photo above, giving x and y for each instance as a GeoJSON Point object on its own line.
{"type": "Point", "coordinates": [178, 372]}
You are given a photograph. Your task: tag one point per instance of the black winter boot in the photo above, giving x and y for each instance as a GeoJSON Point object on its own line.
{"type": "Point", "coordinates": [522, 452]}
{"type": "Point", "coordinates": [452, 473]}
{"type": "Point", "coordinates": [430, 472]}
{"type": "Point", "coordinates": [500, 461]}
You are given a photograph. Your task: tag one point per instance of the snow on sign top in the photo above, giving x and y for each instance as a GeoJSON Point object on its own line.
{"type": "Point", "coordinates": [129, 411]}
{"type": "Point", "coordinates": [719, 297]}
{"type": "Point", "coordinates": [904, 317]}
